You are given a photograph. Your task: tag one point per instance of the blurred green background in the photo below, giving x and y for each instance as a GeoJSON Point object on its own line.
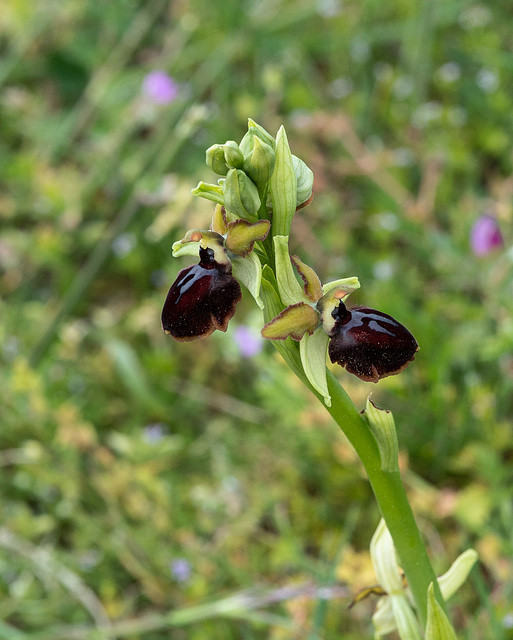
{"type": "Point", "coordinates": [195, 491]}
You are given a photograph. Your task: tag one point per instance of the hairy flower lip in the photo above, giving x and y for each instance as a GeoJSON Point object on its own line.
{"type": "Point", "coordinates": [369, 344]}
{"type": "Point", "coordinates": [202, 299]}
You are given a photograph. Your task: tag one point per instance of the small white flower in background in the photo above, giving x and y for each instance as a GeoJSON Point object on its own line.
{"type": "Point", "coordinates": [123, 244]}
{"type": "Point", "coordinates": [449, 72]}
{"type": "Point", "coordinates": [487, 80]}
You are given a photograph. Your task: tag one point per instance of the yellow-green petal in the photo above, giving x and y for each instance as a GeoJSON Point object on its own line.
{"type": "Point", "coordinates": [312, 285]}
{"type": "Point", "coordinates": [242, 235]}
{"type": "Point", "coordinates": [294, 321]}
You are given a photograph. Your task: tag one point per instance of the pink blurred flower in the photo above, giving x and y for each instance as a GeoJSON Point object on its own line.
{"type": "Point", "coordinates": [249, 342]}
{"type": "Point", "coordinates": [485, 235]}
{"type": "Point", "coordinates": [159, 87]}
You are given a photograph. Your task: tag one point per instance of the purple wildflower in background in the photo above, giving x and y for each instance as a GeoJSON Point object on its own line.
{"type": "Point", "coordinates": [248, 342]}
{"type": "Point", "coordinates": [159, 87]}
{"type": "Point", "coordinates": [485, 235]}
{"type": "Point", "coordinates": [180, 570]}
{"type": "Point", "coordinates": [154, 433]}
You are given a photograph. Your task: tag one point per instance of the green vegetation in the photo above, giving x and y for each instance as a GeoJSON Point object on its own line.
{"type": "Point", "coordinates": [154, 489]}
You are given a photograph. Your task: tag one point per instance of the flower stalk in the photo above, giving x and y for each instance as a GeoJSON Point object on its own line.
{"type": "Point", "coordinates": [248, 244]}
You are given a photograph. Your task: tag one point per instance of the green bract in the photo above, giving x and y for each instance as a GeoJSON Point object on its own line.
{"type": "Point", "coordinates": [283, 185]}
{"type": "Point", "coordinates": [304, 180]}
{"type": "Point", "coordinates": [382, 425]}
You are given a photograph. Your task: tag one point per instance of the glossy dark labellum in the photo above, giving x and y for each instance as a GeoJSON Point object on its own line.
{"type": "Point", "coordinates": [202, 298]}
{"type": "Point", "coordinates": [370, 344]}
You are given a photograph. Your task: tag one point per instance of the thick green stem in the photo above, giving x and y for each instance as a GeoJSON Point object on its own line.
{"type": "Point", "coordinates": [391, 498]}
{"type": "Point", "coordinates": [387, 486]}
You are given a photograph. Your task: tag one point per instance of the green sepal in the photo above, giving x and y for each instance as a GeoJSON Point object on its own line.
{"type": "Point", "coordinates": [288, 286]}
{"type": "Point", "coordinates": [283, 187]}
{"type": "Point", "coordinates": [382, 425]}
{"type": "Point", "coordinates": [294, 321]}
{"type": "Point", "coordinates": [241, 235]}
{"type": "Point", "coordinates": [312, 350]}
{"type": "Point", "coordinates": [248, 271]}
{"type": "Point", "coordinates": [394, 610]}
{"type": "Point", "coordinates": [405, 620]}
{"type": "Point", "coordinates": [438, 626]}
{"type": "Point", "coordinates": [211, 192]}
{"type": "Point", "coordinates": [240, 195]}
{"type": "Point", "coordinates": [384, 560]}
{"type": "Point", "coordinates": [288, 349]}
{"type": "Point", "coordinates": [456, 575]}
{"type": "Point", "coordinates": [304, 180]}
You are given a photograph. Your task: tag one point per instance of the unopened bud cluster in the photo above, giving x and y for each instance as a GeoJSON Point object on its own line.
{"type": "Point", "coordinates": [248, 169]}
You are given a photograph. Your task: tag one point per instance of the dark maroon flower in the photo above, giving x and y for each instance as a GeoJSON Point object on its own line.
{"type": "Point", "coordinates": [370, 344]}
{"type": "Point", "coordinates": [202, 298]}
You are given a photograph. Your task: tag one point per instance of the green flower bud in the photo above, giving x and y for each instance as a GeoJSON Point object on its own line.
{"type": "Point", "coordinates": [233, 155]}
{"type": "Point", "coordinates": [259, 163]}
{"type": "Point", "coordinates": [255, 131]}
{"type": "Point", "coordinates": [240, 195]}
{"type": "Point", "coordinates": [305, 179]}
{"type": "Point", "coordinates": [216, 160]}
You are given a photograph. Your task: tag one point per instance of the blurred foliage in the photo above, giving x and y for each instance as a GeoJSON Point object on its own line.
{"type": "Point", "coordinates": [124, 456]}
